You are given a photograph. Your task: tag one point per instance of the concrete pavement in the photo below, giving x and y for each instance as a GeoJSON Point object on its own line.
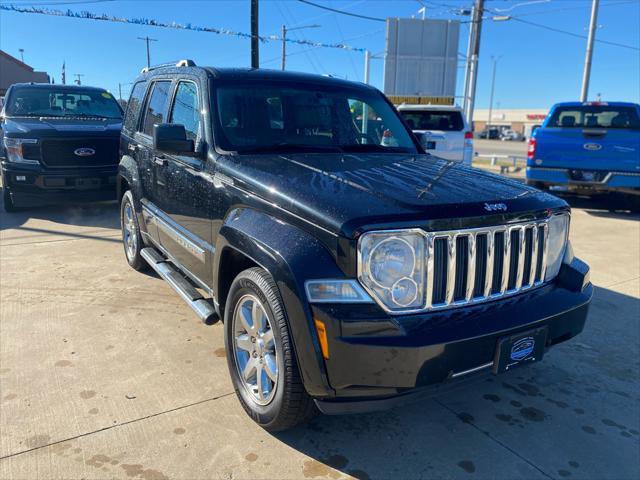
{"type": "Point", "coordinates": [105, 373]}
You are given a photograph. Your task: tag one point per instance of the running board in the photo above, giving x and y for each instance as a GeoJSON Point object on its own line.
{"type": "Point", "coordinates": [203, 307]}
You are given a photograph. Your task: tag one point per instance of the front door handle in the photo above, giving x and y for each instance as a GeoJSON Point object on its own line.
{"type": "Point", "coordinates": [162, 161]}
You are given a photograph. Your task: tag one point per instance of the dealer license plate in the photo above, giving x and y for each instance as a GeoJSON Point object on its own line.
{"type": "Point", "coordinates": [516, 350]}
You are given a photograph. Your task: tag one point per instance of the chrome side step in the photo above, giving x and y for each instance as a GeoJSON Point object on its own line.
{"type": "Point", "coordinates": [204, 308]}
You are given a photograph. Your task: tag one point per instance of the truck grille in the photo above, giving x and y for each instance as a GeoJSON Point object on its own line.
{"type": "Point", "coordinates": [468, 266]}
{"type": "Point", "coordinates": [60, 152]}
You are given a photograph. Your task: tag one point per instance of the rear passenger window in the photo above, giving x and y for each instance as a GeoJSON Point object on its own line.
{"type": "Point", "coordinates": [185, 109]}
{"type": "Point", "coordinates": [133, 107]}
{"type": "Point", "coordinates": [157, 106]}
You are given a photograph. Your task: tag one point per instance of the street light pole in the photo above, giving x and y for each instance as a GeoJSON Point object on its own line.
{"type": "Point", "coordinates": [586, 75]}
{"type": "Point", "coordinates": [284, 46]}
{"type": "Point", "coordinates": [476, 27]}
{"type": "Point", "coordinates": [284, 40]}
{"type": "Point", "coordinates": [493, 84]}
{"type": "Point", "coordinates": [147, 40]}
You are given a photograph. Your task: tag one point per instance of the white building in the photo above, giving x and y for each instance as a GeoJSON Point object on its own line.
{"type": "Point", "coordinates": [519, 119]}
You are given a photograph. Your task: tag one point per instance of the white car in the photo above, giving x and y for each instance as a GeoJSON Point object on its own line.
{"type": "Point", "coordinates": [442, 130]}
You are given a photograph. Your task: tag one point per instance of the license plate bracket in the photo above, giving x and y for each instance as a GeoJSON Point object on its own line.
{"type": "Point", "coordinates": [87, 183]}
{"type": "Point", "coordinates": [515, 350]}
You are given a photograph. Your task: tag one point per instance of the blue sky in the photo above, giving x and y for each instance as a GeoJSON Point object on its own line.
{"type": "Point", "coordinates": [537, 67]}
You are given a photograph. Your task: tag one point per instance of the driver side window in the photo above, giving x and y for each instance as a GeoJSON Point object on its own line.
{"type": "Point", "coordinates": [185, 110]}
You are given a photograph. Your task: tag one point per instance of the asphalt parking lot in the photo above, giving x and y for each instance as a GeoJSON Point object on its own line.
{"type": "Point", "coordinates": [106, 373]}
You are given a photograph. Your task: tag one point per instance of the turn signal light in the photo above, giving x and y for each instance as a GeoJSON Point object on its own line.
{"type": "Point", "coordinates": [322, 336]}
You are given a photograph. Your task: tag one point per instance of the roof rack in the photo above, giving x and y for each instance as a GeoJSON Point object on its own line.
{"type": "Point", "coordinates": [180, 63]}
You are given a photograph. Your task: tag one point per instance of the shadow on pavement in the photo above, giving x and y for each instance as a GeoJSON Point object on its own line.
{"type": "Point", "coordinates": [100, 215]}
{"type": "Point", "coordinates": [574, 413]}
{"type": "Point", "coordinates": [605, 206]}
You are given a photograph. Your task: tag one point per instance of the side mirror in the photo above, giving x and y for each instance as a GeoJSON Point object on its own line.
{"type": "Point", "coordinates": [172, 138]}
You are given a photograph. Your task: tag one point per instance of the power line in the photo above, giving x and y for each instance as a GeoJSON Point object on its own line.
{"type": "Point", "coordinates": [577, 35]}
{"type": "Point", "coordinates": [342, 12]}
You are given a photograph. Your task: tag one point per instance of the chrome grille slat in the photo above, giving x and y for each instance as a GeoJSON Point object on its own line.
{"type": "Point", "coordinates": [471, 269]}
{"type": "Point", "coordinates": [522, 237]}
{"type": "Point", "coordinates": [451, 269]}
{"type": "Point", "coordinates": [488, 279]}
{"type": "Point", "coordinates": [447, 268]}
{"type": "Point", "coordinates": [506, 261]}
{"type": "Point", "coordinates": [534, 256]}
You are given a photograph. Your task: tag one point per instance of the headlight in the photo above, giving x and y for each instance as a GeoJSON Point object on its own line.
{"type": "Point", "coordinates": [15, 152]}
{"type": "Point", "coordinates": [556, 244]}
{"type": "Point", "coordinates": [391, 268]}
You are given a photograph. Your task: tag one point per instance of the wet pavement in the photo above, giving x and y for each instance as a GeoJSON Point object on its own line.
{"type": "Point", "coordinates": [106, 373]}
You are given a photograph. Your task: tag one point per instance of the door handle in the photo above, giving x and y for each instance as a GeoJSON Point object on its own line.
{"type": "Point", "coordinates": [162, 161]}
{"type": "Point", "coordinates": [132, 147]}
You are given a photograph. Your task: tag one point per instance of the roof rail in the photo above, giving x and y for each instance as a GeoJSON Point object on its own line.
{"type": "Point", "coordinates": [180, 63]}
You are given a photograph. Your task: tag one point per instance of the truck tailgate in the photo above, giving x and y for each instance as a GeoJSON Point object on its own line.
{"type": "Point", "coordinates": [590, 149]}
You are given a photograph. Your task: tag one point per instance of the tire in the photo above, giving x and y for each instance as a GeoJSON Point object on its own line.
{"type": "Point", "coordinates": [131, 237]}
{"type": "Point", "coordinates": [7, 203]}
{"type": "Point", "coordinates": [282, 402]}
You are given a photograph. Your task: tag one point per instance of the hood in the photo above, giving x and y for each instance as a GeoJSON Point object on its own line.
{"type": "Point", "coordinates": [347, 193]}
{"type": "Point", "coordinates": [40, 127]}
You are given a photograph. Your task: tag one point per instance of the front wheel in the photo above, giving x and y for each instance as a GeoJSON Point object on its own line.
{"type": "Point", "coordinates": [260, 354]}
{"type": "Point", "coordinates": [131, 238]}
{"type": "Point", "coordinates": [8, 204]}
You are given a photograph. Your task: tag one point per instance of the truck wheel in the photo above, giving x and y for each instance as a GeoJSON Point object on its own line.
{"type": "Point", "coordinates": [131, 238]}
{"type": "Point", "coordinates": [8, 204]}
{"type": "Point", "coordinates": [260, 354]}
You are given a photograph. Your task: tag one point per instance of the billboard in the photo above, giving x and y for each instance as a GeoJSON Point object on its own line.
{"type": "Point", "coordinates": [421, 57]}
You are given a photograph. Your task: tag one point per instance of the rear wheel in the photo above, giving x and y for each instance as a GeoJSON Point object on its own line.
{"type": "Point", "coordinates": [131, 238]}
{"type": "Point", "coordinates": [260, 354]}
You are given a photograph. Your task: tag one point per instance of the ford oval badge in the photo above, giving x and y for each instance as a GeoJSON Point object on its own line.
{"type": "Point", "coordinates": [592, 146]}
{"type": "Point", "coordinates": [522, 348]}
{"type": "Point", "coordinates": [84, 152]}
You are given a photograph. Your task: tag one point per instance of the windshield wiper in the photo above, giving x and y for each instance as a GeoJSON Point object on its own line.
{"type": "Point", "coordinates": [86, 115]}
{"type": "Point", "coordinates": [290, 147]}
{"type": "Point", "coordinates": [372, 147]}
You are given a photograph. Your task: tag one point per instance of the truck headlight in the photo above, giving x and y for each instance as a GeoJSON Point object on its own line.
{"type": "Point", "coordinates": [556, 244]}
{"type": "Point", "coordinates": [391, 268]}
{"type": "Point", "coordinates": [15, 151]}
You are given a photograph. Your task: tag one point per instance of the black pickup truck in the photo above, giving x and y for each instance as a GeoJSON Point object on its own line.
{"type": "Point", "coordinates": [352, 270]}
{"type": "Point", "coordinates": [59, 144]}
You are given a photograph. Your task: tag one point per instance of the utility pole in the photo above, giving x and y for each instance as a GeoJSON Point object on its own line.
{"type": "Point", "coordinates": [21, 50]}
{"type": "Point", "coordinates": [78, 78]}
{"type": "Point", "coordinates": [255, 38]}
{"type": "Point", "coordinates": [147, 40]}
{"type": "Point", "coordinates": [472, 71]}
{"type": "Point", "coordinates": [493, 84]}
{"type": "Point", "coordinates": [365, 107]}
{"type": "Point", "coordinates": [586, 75]}
{"type": "Point", "coordinates": [284, 40]}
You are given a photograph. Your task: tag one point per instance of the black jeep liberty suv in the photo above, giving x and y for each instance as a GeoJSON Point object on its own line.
{"type": "Point", "coordinates": [59, 143]}
{"type": "Point", "coordinates": [352, 270]}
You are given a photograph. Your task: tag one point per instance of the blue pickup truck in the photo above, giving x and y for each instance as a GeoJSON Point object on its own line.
{"type": "Point", "coordinates": [588, 148]}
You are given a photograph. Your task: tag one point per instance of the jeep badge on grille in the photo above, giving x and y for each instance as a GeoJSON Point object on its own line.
{"type": "Point", "coordinates": [495, 207]}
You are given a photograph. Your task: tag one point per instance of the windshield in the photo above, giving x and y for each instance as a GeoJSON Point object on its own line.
{"type": "Point", "coordinates": [445, 120]}
{"type": "Point", "coordinates": [595, 116]}
{"type": "Point", "coordinates": [62, 102]}
{"type": "Point", "coordinates": [311, 118]}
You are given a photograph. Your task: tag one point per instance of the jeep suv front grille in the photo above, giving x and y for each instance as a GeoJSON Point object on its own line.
{"type": "Point", "coordinates": [467, 266]}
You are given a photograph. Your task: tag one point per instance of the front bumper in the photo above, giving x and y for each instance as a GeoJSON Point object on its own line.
{"type": "Point", "coordinates": [564, 180]}
{"type": "Point", "coordinates": [34, 185]}
{"type": "Point", "coordinates": [376, 362]}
